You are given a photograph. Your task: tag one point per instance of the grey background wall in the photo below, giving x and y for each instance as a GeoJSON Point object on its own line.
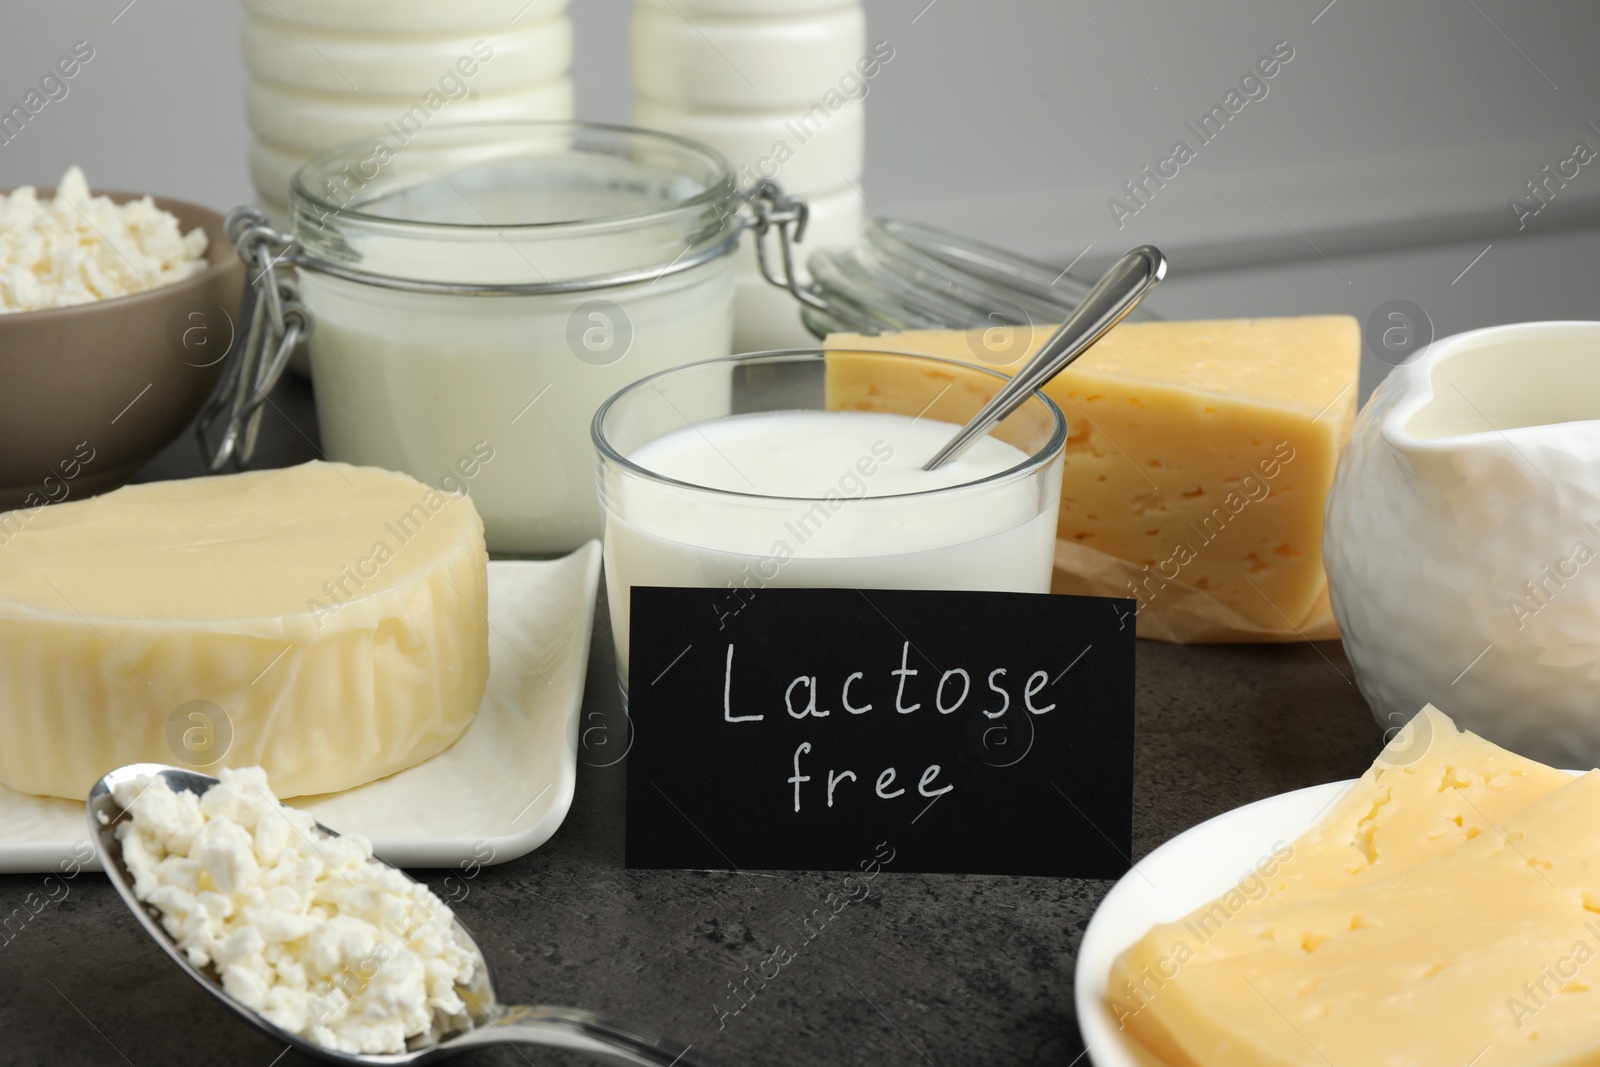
{"type": "Point", "coordinates": [1379, 163]}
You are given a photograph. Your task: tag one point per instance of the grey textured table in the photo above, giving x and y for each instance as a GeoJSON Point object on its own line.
{"type": "Point", "coordinates": [943, 970]}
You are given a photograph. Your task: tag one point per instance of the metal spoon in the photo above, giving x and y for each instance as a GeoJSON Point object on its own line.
{"type": "Point", "coordinates": [545, 1027]}
{"type": "Point", "coordinates": [1117, 292]}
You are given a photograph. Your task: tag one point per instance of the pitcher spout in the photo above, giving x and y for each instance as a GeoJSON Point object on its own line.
{"type": "Point", "coordinates": [1525, 398]}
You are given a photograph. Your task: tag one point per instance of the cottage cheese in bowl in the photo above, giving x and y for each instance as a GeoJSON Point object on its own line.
{"type": "Point", "coordinates": [76, 248]}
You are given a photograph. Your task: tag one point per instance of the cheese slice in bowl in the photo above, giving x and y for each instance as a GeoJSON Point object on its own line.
{"type": "Point", "coordinates": [326, 622]}
{"type": "Point", "coordinates": [1490, 957]}
{"type": "Point", "coordinates": [1433, 792]}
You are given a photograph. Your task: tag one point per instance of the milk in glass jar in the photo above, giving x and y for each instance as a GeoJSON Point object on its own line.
{"type": "Point", "coordinates": [478, 293]}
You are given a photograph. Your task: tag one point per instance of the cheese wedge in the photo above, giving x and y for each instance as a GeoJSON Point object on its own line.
{"type": "Point", "coordinates": [325, 622]}
{"type": "Point", "coordinates": [1200, 454]}
{"type": "Point", "coordinates": [1432, 793]}
{"type": "Point", "coordinates": [1488, 957]}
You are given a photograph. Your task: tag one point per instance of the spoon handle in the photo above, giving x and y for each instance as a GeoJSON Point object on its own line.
{"type": "Point", "coordinates": [580, 1031]}
{"type": "Point", "coordinates": [1114, 295]}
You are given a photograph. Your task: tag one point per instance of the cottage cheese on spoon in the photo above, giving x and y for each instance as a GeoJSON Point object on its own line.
{"type": "Point", "coordinates": [306, 929]}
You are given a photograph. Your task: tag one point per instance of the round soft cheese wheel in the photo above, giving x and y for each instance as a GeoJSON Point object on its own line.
{"type": "Point", "coordinates": [326, 622]}
{"type": "Point", "coordinates": [720, 62]}
{"type": "Point", "coordinates": [312, 121]}
{"type": "Point", "coordinates": [511, 57]}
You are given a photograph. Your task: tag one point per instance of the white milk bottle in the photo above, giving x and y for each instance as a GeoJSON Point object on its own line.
{"type": "Point", "coordinates": [329, 72]}
{"type": "Point", "coordinates": [778, 86]}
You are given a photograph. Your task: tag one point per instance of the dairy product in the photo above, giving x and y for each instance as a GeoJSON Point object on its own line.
{"type": "Point", "coordinates": [804, 454]}
{"type": "Point", "coordinates": [76, 248]}
{"type": "Point", "coordinates": [404, 377]}
{"type": "Point", "coordinates": [325, 622]}
{"type": "Point", "coordinates": [506, 370]}
{"type": "Point", "coordinates": [824, 499]}
{"type": "Point", "coordinates": [305, 928]}
{"type": "Point", "coordinates": [294, 122]}
{"type": "Point", "coordinates": [1485, 956]}
{"type": "Point", "coordinates": [767, 317]}
{"type": "Point", "coordinates": [779, 92]}
{"type": "Point", "coordinates": [712, 60]}
{"type": "Point", "coordinates": [1201, 453]}
{"type": "Point", "coordinates": [330, 72]}
{"type": "Point", "coordinates": [833, 220]}
{"type": "Point", "coordinates": [272, 168]}
{"type": "Point", "coordinates": [756, 8]}
{"type": "Point", "coordinates": [1427, 823]}
{"type": "Point", "coordinates": [527, 52]}
{"type": "Point", "coordinates": [404, 16]}
{"type": "Point", "coordinates": [833, 151]}
{"type": "Point", "coordinates": [1432, 789]}
{"type": "Point", "coordinates": [779, 87]}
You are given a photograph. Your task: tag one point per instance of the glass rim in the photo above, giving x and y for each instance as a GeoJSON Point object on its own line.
{"type": "Point", "coordinates": [1033, 462]}
{"type": "Point", "coordinates": [721, 187]}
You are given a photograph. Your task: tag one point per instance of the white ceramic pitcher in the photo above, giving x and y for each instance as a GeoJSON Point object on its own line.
{"type": "Point", "coordinates": [1462, 539]}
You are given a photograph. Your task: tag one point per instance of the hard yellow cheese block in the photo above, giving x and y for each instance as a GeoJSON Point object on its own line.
{"type": "Point", "coordinates": [325, 622]}
{"type": "Point", "coordinates": [920, 388]}
{"type": "Point", "coordinates": [1199, 452]}
{"type": "Point", "coordinates": [1433, 793]}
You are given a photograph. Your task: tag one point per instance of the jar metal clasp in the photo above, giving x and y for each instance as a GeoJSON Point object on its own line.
{"type": "Point", "coordinates": [771, 209]}
{"type": "Point", "coordinates": [275, 322]}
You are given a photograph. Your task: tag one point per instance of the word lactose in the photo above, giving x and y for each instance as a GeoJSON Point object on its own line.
{"type": "Point", "coordinates": [897, 691]}
{"type": "Point", "coordinates": [950, 695]}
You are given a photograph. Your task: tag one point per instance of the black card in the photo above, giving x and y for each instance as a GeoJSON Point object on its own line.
{"type": "Point", "coordinates": [979, 733]}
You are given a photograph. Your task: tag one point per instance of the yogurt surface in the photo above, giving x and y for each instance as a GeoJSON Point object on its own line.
{"type": "Point", "coordinates": [813, 453]}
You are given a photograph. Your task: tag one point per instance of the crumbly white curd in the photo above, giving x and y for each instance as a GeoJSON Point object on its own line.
{"type": "Point", "coordinates": [76, 248]}
{"type": "Point", "coordinates": [306, 929]}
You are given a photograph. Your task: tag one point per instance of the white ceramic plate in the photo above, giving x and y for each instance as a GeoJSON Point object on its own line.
{"type": "Point", "coordinates": [1198, 865]}
{"type": "Point", "coordinates": [498, 793]}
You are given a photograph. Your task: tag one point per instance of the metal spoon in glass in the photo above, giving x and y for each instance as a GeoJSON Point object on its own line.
{"type": "Point", "coordinates": [493, 1023]}
{"type": "Point", "coordinates": [1117, 292]}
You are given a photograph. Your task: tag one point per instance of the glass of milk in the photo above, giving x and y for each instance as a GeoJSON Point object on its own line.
{"type": "Point", "coordinates": [478, 290]}
{"type": "Point", "coordinates": [803, 468]}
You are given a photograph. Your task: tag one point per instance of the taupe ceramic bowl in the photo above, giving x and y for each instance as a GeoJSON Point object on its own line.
{"type": "Point", "coordinates": [89, 393]}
